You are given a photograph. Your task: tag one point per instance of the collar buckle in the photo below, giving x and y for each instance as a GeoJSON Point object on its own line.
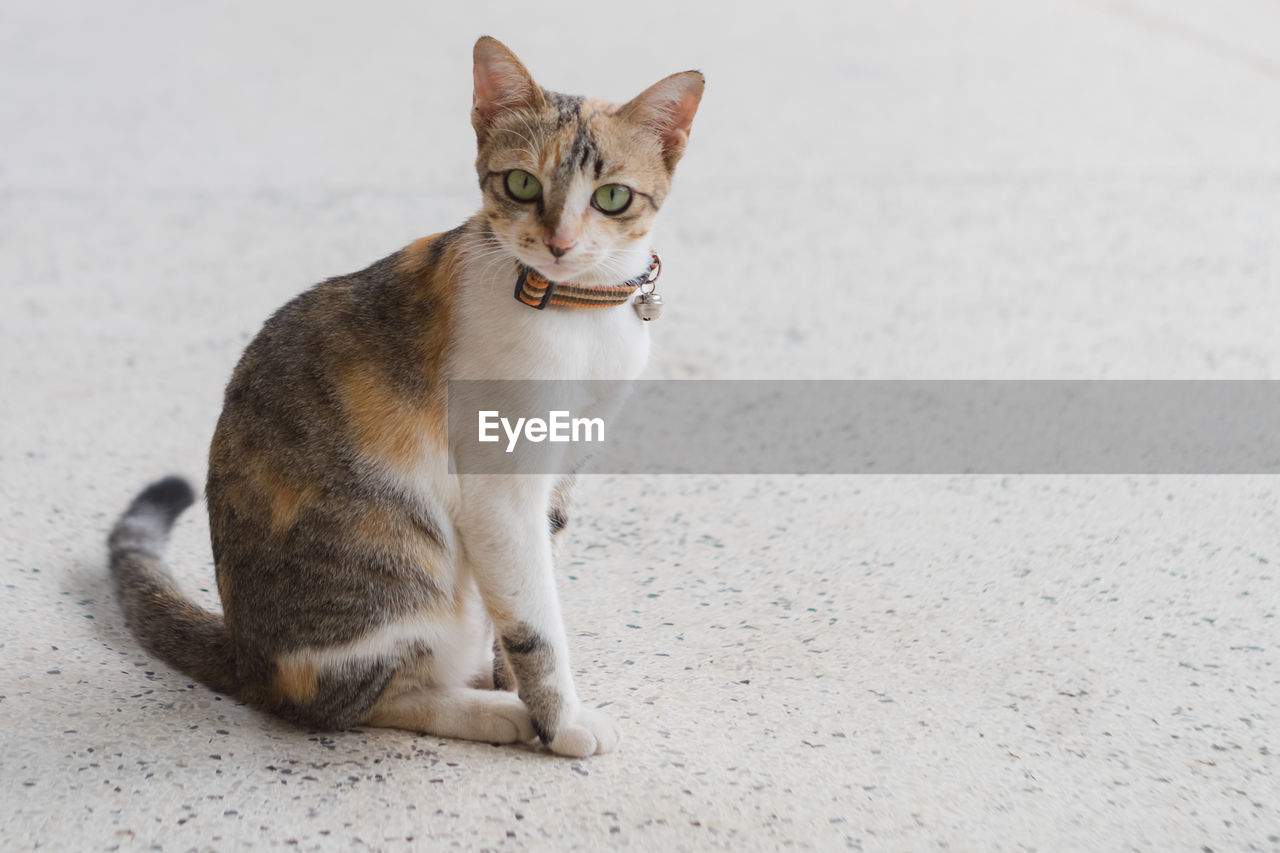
{"type": "Point", "coordinates": [528, 294]}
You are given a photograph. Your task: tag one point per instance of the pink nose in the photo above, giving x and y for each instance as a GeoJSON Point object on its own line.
{"type": "Point", "coordinates": [559, 245]}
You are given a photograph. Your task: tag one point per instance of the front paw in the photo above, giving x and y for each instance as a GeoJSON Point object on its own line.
{"type": "Point", "coordinates": [590, 732]}
{"type": "Point", "coordinates": [508, 721]}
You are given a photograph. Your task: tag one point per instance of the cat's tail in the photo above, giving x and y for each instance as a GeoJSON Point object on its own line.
{"type": "Point", "coordinates": [165, 621]}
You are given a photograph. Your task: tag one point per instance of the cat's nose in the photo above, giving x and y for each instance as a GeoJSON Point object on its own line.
{"type": "Point", "coordinates": [559, 247]}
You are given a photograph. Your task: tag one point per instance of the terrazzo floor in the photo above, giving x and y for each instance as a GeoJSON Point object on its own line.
{"type": "Point", "coordinates": [990, 189]}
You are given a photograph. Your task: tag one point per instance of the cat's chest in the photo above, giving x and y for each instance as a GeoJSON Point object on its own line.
{"type": "Point", "coordinates": [504, 339]}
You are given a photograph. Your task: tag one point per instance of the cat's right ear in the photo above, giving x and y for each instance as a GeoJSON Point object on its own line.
{"type": "Point", "coordinates": [501, 83]}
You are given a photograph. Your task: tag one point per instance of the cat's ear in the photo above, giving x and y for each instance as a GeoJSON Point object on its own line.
{"type": "Point", "coordinates": [667, 108]}
{"type": "Point", "coordinates": [501, 83]}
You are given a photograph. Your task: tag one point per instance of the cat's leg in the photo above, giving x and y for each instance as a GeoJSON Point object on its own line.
{"type": "Point", "coordinates": [507, 548]}
{"type": "Point", "coordinates": [503, 677]}
{"type": "Point", "coordinates": [462, 712]}
{"type": "Point", "coordinates": [309, 689]}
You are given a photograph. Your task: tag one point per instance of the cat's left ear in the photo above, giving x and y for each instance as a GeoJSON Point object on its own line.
{"type": "Point", "coordinates": [667, 107]}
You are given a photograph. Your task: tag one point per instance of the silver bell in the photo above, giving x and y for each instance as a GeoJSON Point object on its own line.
{"type": "Point", "coordinates": [648, 306]}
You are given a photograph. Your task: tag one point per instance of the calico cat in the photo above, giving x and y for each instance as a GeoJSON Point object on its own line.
{"type": "Point", "coordinates": [361, 582]}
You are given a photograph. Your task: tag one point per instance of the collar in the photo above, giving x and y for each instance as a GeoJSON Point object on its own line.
{"type": "Point", "coordinates": [536, 291]}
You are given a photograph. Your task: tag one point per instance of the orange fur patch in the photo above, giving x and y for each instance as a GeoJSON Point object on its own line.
{"type": "Point", "coordinates": [386, 426]}
{"type": "Point", "coordinates": [295, 681]}
{"type": "Point", "coordinates": [255, 479]}
{"type": "Point", "coordinates": [413, 257]}
{"type": "Point", "coordinates": [287, 500]}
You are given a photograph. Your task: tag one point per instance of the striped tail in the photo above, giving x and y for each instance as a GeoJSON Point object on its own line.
{"type": "Point", "coordinates": [165, 621]}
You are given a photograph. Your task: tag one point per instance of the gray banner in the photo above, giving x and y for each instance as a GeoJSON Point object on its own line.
{"type": "Point", "coordinates": [866, 427]}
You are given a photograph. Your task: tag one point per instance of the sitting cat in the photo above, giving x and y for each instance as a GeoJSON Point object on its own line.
{"type": "Point", "coordinates": [361, 582]}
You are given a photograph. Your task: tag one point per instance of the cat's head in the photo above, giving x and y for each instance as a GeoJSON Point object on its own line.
{"type": "Point", "coordinates": [571, 185]}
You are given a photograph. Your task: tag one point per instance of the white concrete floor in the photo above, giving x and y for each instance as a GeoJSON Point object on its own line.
{"type": "Point", "coordinates": [990, 189]}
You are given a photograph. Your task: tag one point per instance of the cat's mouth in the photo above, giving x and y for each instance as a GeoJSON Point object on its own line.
{"type": "Point", "coordinates": [583, 265]}
{"type": "Point", "coordinates": [562, 269]}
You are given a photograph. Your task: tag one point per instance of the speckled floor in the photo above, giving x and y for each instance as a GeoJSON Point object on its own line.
{"type": "Point", "coordinates": [993, 190]}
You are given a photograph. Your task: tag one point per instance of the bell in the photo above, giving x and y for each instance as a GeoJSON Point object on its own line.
{"type": "Point", "coordinates": [648, 306]}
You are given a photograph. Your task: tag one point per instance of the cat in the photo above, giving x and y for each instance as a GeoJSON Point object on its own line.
{"type": "Point", "coordinates": [361, 582]}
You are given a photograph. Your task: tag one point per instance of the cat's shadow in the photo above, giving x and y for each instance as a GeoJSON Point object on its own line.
{"type": "Point", "coordinates": [153, 685]}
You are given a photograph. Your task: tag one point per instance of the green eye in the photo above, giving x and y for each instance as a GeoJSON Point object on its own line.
{"type": "Point", "coordinates": [612, 198]}
{"type": "Point", "coordinates": [522, 186]}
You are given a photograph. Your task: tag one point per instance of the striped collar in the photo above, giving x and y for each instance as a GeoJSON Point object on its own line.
{"type": "Point", "coordinates": [536, 291]}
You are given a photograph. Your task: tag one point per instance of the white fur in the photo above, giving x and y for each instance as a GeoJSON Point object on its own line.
{"type": "Point", "coordinates": [488, 715]}
{"type": "Point", "coordinates": [498, 337]}
{"type": "Point", "coordinates": [503, 527]}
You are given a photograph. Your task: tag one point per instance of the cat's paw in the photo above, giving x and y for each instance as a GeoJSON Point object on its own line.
{"type": "Point", "coordinates": [590, 733]}
{"type": "Point", "coordinates": [507, 721]}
